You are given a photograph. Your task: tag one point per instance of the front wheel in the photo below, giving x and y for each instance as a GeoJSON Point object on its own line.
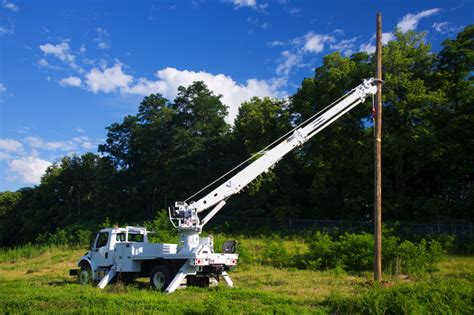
{"type": "Point", "coordinates": [85, 275]}
{"type": "Point", "coordinates": [160, 277]}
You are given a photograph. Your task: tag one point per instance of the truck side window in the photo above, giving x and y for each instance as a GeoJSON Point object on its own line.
{"type": "Point", "coordinates": [102, 240]}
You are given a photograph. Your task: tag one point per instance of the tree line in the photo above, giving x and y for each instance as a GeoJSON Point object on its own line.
{"type": "Point", "coordinates": [171, 149]}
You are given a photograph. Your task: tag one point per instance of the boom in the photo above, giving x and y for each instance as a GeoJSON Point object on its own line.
{"type": "Point", "coordinates": [186, 215]}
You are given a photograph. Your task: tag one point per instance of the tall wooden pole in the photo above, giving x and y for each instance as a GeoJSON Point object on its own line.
{"type": "Point", "coordinates": [378, 159]}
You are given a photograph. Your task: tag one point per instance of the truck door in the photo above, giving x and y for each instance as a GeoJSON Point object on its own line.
{"type": "Point", "coordinates": [100, 250]}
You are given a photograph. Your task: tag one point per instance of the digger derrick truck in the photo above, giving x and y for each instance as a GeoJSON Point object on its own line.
{"type": "Point", "coordinates": [127, 253]}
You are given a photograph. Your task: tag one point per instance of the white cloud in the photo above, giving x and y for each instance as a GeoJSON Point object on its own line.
{"type": "Point", "coordinates": [43, 63]}
{"type": "Point", "coordinates": [85, 142]}
{"type": "Point", "coordinates": [410, 21]}
{"type": "Point", "coordinates": [386, 37]}
{"type": "Point", "coordinates": [114, 79]}
{"type": "Point", "coordinates": [444, 28]}
{"type": "Point", "coordinates": [9, 145]}
{"type": "Point", "coordinates": [346, 46]}
{"type": "Point", "coordinates": [4, 30]}
{"type": "Point", "coordinates": [367, 47]}
{"type": "Point", "coordinates": [440, 27]}
{"type": "Point", "coordinates": [3, 88]}
{"type": "Point", "coordinates": [39, 143]}
{"type": "Point", "coordinates": [102, 38]}
{"type": "Point", "coordinates": [293, 58]}
{"type": "Point", "coordinates": [288, 61]}
{"type": "Point", "coordinates": [370, 46]}
{"type": "Point", "coordinates": [70, 81]}
{"type": "Point", "coordinates": [108, 80]}
{"type": "Point", "coordinates": [103, 45]}
{"type": "Point", "coordinates": [10, 6]}
{"type": "Point", "coordinates": [276, 43]}
{"type": "Point", "coordinates": [249, 4]}
{"type": "Point", "coordinates": [244, 3]}
{"type": "Point", "coordinates": [233, 93]}
{"type": "Point", "coordinates": [62, 51]}
{"type": "Point", "coordinates": [294, 11]}
{"type": "Point", "coordinates": [29, 169]}
{"type": "Point", "coordinates": [5, 156]}
{"type": "Point", "coordinates": [315, 42]}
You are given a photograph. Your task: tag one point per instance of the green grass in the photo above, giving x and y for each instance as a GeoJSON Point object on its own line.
{"type": "Point", "coordinates": [37, 281]}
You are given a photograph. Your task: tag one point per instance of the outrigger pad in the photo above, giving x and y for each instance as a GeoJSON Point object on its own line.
{"type": "Point", "coordinates": [228, 247]}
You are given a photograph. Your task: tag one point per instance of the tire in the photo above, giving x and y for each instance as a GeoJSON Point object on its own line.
{"type": "Point", "coordinates": [85, 275]}
{"type": "Point", "coordinates": [160, 277]}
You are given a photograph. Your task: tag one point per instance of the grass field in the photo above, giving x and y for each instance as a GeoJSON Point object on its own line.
{"type": "Point", "coordinates": [38, 282]}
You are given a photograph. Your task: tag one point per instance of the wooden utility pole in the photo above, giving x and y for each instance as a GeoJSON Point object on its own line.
{"type": "Point", "coordinates": [378, 159]}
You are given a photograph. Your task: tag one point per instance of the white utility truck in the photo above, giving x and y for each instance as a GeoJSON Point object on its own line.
{"type": "Point", "coordinates": [126, 252]}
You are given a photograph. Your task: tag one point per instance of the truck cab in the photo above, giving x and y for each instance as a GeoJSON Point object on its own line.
{"type": "Point", "coordinates": [103, 247]}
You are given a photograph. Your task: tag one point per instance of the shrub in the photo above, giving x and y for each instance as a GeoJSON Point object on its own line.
{"type": "Point", "coordinates": [322, 252]}
{"type": "Point", "coordinates": [355, 252]}
{"type": "Point", "coordinates": [275, 253]}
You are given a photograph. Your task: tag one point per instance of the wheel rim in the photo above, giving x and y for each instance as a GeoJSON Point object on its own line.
{"type": "Point", "coordinates": [84, 277]}
{"type": "Point", "coordinates": [159, 280]}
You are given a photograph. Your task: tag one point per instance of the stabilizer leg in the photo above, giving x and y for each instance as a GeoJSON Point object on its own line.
{"type": "Point", "coordinates": [105, 280]}
{"type": "Point", "coordinates": [227, 279]}
{"type": "Point", "coordinates": [185, 270]}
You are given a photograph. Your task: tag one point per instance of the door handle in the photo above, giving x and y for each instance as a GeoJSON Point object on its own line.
{"type": "Point", "coordinates": [106, 255]}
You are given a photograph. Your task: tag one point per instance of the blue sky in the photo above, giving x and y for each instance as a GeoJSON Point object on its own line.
{"type": "Point", "coordinates": [68, 69]}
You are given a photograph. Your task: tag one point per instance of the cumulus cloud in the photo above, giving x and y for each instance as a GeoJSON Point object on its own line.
{"type": "Point", "coordinates": [288, 61]}
{"type": "Point", "coordinates": [71, 81]}
{"type": "Point", "coordinates": [29, 169]}
{"type": "Point", "coordinates": [10, 145]}
{"type": "Point", "coordinates": [62, 51]}
{"type": "Point", "coordinates": [108, 80]}
{"type": "Point", "coordinates": [315, 42]}
{"type": "Point", "coordinates": [10, 6]}
{"type": "Point", "coordinates": [310, 43]}
{"type": "Point", "coordinates": [410, 21]}
{"type": "Point", "coordinates": [168, 80]}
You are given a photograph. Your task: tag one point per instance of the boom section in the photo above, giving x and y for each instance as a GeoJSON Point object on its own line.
{"type": "Point", "coordinates": [300, 135]}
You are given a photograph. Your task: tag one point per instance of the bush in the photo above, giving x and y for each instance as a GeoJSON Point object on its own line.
{"type": "Point", "coordinates": [354, 252]}
{"type": "Point", "coordinates": [275, 253]}
{"type": "Point", "coordinates": [322, 252]}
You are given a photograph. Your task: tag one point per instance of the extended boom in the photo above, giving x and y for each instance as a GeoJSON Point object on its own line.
{"type": "Point", "coordinates": [186, 215]}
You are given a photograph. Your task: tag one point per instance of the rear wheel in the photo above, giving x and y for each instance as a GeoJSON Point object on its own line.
{"type": "Point", "coordinates": [160, 277]}
{"type": "Point", "coordinates": [85, 275]}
